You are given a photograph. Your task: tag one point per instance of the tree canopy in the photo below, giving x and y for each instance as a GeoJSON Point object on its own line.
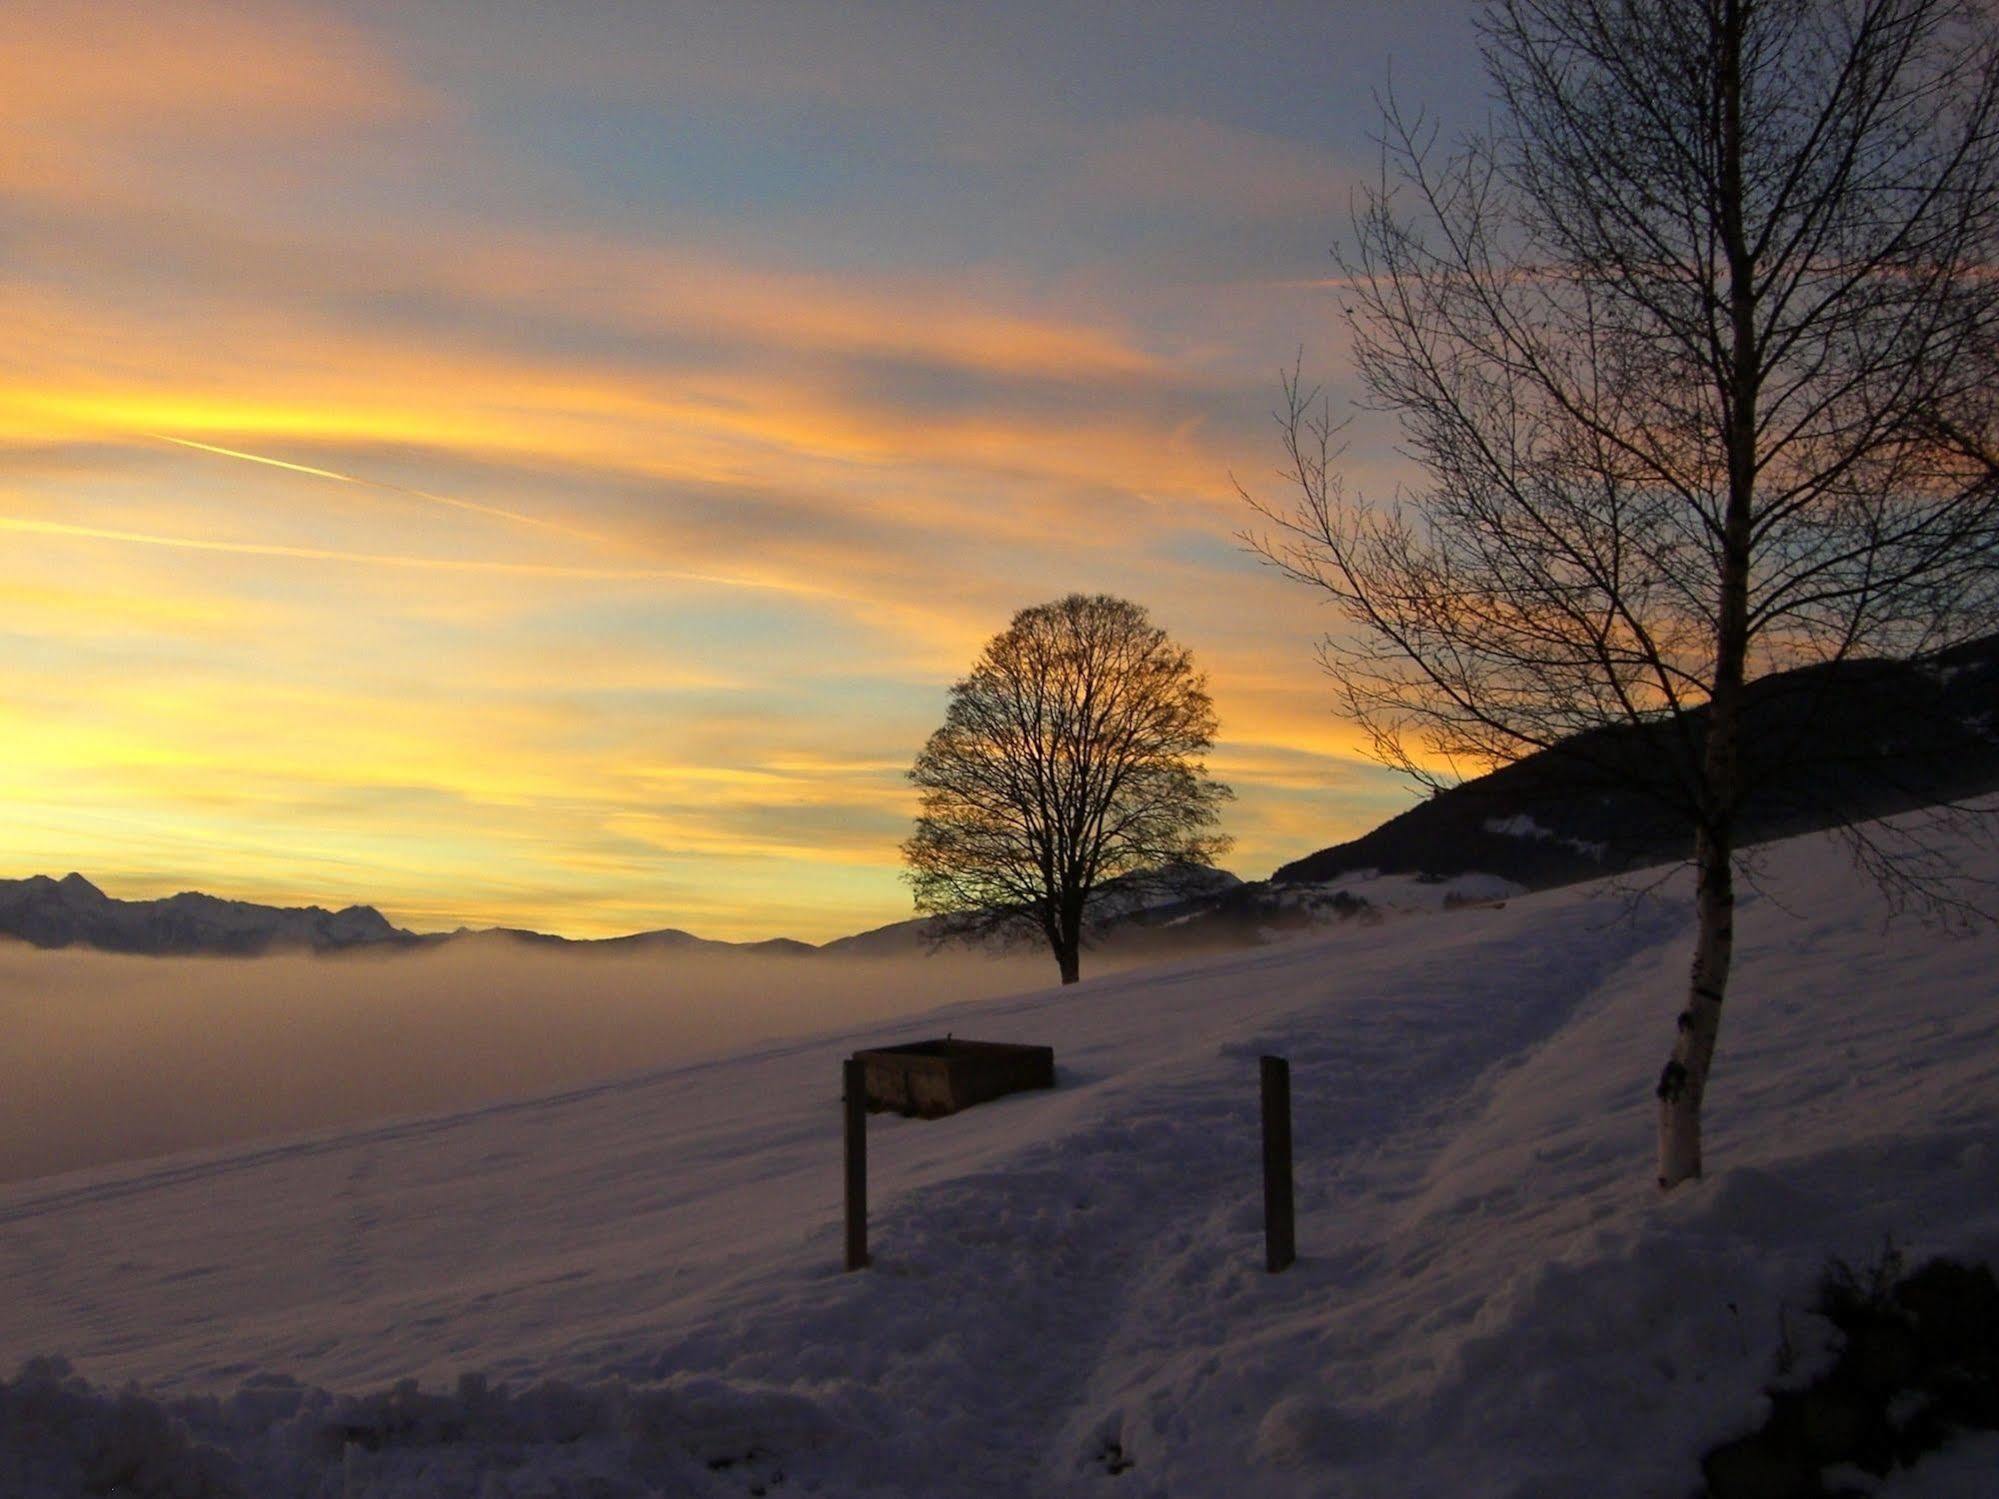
{"type": "Point", "coordinates": [1073, 754]}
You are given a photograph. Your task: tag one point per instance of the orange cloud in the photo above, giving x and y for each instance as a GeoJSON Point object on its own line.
{"type": "Point", "coordinates": [680, 415]}
{"type": "Point", "coordinates": [132, 64]}
{"type": "Point", "coordinates": [596, 578]}
{"type": "Point", "coordinates": [90, 89]}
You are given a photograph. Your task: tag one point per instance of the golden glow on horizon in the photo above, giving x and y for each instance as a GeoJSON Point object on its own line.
{"type": "Point", "coordinates": [497, 555]}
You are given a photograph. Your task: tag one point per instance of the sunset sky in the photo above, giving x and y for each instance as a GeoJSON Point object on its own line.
{"type": "Point", "coordinates": [545, 464]}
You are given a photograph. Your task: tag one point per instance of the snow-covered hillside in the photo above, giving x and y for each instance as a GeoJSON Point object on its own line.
{"type": "Point", "coordinates": [635, 1288]}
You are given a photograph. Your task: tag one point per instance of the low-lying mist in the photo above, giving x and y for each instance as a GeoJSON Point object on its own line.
{"type": "Point", "coordinates": [105, 1058]}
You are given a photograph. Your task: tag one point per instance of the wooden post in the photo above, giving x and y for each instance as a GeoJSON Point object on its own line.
{"type": "Point", "coordinates": [1280, 1243]}
{"type": "Point", "coordinates": [854, 1099]}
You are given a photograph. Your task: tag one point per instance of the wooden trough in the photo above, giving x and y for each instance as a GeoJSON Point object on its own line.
{"type": "Point", "coordinates": [930, 1079]}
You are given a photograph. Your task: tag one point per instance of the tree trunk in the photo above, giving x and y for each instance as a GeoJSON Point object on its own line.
{"type": "Point", "coordinates": [1067, 950]}
{"type": "Point", "coordinates": [1683, 1081]}
{"type": "Point", "coordinates": [1068, 937]}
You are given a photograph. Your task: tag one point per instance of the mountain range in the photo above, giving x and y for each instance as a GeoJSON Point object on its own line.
{"type": "Point", "coordinates": [1827, 744]}
{"type": "Point", "coordinates": [73, 912]}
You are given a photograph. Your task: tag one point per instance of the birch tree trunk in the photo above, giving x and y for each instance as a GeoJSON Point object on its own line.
{"type": "Point", "coordinates": [1683, 1081]}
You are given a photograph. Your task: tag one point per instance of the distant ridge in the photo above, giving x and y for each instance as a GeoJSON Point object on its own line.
{"type": "Point", "coordinates": [72, 912]}
{"type": "Point", "coordinates": [1850, 741]}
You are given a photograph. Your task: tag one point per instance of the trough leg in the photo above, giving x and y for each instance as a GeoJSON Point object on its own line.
{"type": "Point", "coordinates": [1280, 1244]}
{"type": "Point", "coordinates": [854, 1103]}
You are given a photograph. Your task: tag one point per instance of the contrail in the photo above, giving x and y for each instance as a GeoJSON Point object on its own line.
{"type": "Point", "coordinates": [422, 494]}
{"type": "Point", "coordinates": [391, 559]}
{"type": "Point", "coordinates": [297, 468]}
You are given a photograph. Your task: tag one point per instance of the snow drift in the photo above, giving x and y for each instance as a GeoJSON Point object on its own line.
{"type": "Point", "coordinates": [634, 1288]}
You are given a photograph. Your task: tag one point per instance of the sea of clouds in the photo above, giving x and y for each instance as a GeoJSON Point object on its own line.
{"type": "Point", "coordinates": [106, 1058]}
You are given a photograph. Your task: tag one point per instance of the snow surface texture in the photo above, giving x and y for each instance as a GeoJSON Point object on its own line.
{"type": "Point", "coordinates": [1523, 825]}
{"type": "Point", "coordinates": [1401, 892]}
{"type": "Point", "coordinates": [1068, 1295]}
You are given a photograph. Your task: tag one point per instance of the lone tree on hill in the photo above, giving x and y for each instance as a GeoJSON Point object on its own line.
{"type": "Point", "coordinates": [1070, 756]}
{"type": "Point", "coordinates": [1694, 342]}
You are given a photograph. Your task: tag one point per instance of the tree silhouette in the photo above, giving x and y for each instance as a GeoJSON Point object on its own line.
{"type": "Point", "coordinates": [1694, 344]}
{"type": "Point", "coordinates": [1070, 756]}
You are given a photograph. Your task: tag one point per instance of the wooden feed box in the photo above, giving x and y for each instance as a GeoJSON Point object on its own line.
{"type": "Point", "coordinates": [933, 1078]}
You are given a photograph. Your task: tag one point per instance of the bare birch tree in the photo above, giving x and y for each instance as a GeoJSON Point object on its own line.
{"type": "Point", "coordinates": [1072, 755]}
{"type": "Point", "coordinates": [1693, 343]}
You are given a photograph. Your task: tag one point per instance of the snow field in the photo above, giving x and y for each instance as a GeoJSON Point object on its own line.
{"type": "Point", "coordinates": [1068, 1294]}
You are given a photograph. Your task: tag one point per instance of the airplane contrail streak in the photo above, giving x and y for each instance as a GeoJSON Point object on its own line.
{"type": "Point", "coordinates": [495, 511]}
{"type": "Point", "coordinates": [297, 468]}
{"type": "Point", "coordinates": [391, 559]}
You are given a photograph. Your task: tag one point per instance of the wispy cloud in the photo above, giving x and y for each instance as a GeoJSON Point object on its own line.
{"type": "Point", "coordinates": [563, 490]}
{"type": "Point", "coordinates": [389, 559]}
{"type": "Point", "coordinates": [97, 96]}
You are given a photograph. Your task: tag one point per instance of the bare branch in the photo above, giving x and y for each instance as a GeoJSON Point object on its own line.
{"type": "Point", "coordinates": [1071, 756]}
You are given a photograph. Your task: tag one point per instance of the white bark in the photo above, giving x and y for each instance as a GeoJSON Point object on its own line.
{"type": "Point", "coordinates": [1683, 1083]}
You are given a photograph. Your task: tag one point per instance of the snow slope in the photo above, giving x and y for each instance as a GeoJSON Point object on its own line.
{"type": "Point", "coordinates": [1068, 1295]}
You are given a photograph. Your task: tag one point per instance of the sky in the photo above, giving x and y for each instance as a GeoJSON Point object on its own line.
{"type": "Point", "coordinates": [545, 465]}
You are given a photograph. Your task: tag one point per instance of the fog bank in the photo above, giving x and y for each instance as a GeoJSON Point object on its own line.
{"type": "Point", "coordinates": [105, 1058]}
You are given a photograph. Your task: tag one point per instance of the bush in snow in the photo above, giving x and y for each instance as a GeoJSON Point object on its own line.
{"type": "Point", "coordinates": [1919, 1364]}
{"type": "Point", "coordinates": [58, 1436]}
